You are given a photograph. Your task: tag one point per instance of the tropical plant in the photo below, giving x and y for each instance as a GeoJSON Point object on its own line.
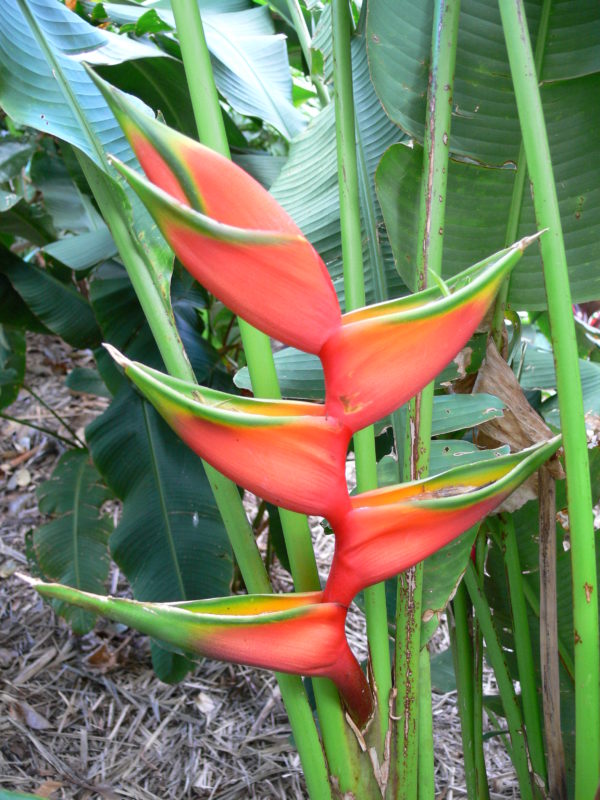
{"type": "Point", "coordinates": [243, 248]}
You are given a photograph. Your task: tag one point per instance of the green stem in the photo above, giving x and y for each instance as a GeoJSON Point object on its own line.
{"type": "Point", "coordinates": [462, 653]}
{"type": "Point", "coordinates": [305, 42]}
{"type": "Point", "coordinates": [516, 202]}
{"type": "Point", "coordinates": [364, 441]}
{"type": "Point", "coordinates": [426, 763]}
{"type": "Point", "coordinates": [523, 648]}
{"type": "Point", "coordinates": [199, 75]}
{"type": "Point", "coordinates": [481, 782]}
{"type": "Point", "coordinates": [41, 428]}
{"type": "Point", "coordinates": [55, 414]}
{"type": "Point", "coordinates": [432, 210]}
{"type": "Point", "coordinates": [507, 693]}
{"type": "Point", "coordinates": [583, 551]}
{"type": "Point", "coordinates": [340, 748]}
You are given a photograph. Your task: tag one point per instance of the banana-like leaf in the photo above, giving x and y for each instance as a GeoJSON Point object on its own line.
{"type": "Point", "coordinates": [249, 59]}
{"type": "Point", "coordinates": [298, 634]}
{"type": "Point", "coordinates": [59, 306]}
{"type": "Point", "coordinates": [44, 85]}
{"type": "Point", "coordinates": [229, 232]}
{"type": "Point", "coordinates": [419, 333]}
{"type": "Point", "coordinates": [287, 452]}
{"type": "Point", "coordinates": [73, 547]}
{"type": "Point", "coordinates": [485, 125]}
{"type": "Point", "coordinates": [485, 128]}
{"type": "Point", "coordinates": [390, 529]}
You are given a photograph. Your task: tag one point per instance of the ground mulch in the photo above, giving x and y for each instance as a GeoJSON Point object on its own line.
{"type": "Point", "coordinates": [85, 717]}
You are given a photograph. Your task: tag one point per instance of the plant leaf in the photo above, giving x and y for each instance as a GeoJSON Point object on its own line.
{"type": "Point", "coordinates": [73, 547]}
{"type": "Point", "coordinates": [59, 306]}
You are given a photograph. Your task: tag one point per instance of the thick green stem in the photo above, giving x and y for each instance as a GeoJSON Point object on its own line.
{"type": "Point", "coordinates": [516, 202]}
{"type": "Point", "coordinates": [432, 210]}
{"type": "Point", "coordinates": [364, 441]}
{"type": "Point", "coordinates": [199, 75]}
{"type": "Point", "coordinates": [507, 693]}
{"type": "Point", "coordinates": [583, 552]}
{"type": "Point", "coordinates": [462, 655]}
{"type": "Point", "coordinates": [305, 41]}
{"type": "Point", "coordinates": [523, 648]}
{"type": "Point", "coordinates": [339, 746]}
{"type": "Point", "coordinates": [426, 763]}
{"type": "Point", "coordinates": [481, 782]}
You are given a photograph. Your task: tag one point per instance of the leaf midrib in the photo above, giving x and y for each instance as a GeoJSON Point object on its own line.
{"type": "Point", "coordinates": [63, 82]}
{"type": "Point", "coordinates": [162, 501]}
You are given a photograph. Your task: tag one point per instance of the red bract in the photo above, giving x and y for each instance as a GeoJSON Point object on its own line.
{"type": "Point", "coordinates": [297, 633]}
{"type": "Point", "coordinates": [391, 529]}
{"type": "Point", "coordinates": [382, 355]}
{"type": "Point", "coordinates": [289, 453]}
{"type": "Point", "coordinates": [229, 232]}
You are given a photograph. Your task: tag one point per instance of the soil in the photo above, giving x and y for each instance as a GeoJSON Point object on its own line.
{"type": "Point", "coordinates": [85, 717]}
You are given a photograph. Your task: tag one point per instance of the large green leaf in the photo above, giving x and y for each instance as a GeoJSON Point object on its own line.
{"type": "Point", "coordinates": [73, 547]}
{"type": "Point", "coordinates": [59, 306]}
{"type": "Point", "coordinates": [307, 186]}
{"type": "Point", "coordinates": [249, 60]}
{"type": "Point", "coordinates": [44, 85]}
{"type": "Point", "coordinates": [83, 251]}
{"type": "Point", "coordinates": [39, 36]}
{"type": "Point", "coordinates": [485, 124]}
{"type": "Point", "coordinates": [479, 202]}
{"type": "Point", "coordinates": [485, 128]}
{"type": "Point", "coordinates": [536, 371]}
{"type": "Point", "coordinates": [170, 541]}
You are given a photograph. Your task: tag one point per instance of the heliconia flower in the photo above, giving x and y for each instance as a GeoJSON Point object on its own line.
{"type": "Point", "coordinates": [384, 354]}
{"type": "Point", "coordinates": [294, 633]}
{"type": "Point", "coordinates": [287, 452]}
{"type": "Point", "coordinates": [228, 231]}
{"type": "Point", "coordinates": [391, 529]}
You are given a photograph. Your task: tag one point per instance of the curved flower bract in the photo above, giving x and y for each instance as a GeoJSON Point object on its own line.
{"type": "Point", "coordinates": [287, 452]}
{"type": "Point", "coordinates": [382, 355]}
{"type": "Point", "coordinates": [389, 530]}
{"type": "Point", "coordinates": [228, 231]}
{"type": "Point", "coordinates": [292, 633]}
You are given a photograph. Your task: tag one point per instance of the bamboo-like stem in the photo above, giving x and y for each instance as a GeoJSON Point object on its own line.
{"type": "Point", "coordinates": [340, 748]}
{"type": "Point", "coordinates": [523, 648]}
{"type": "Point", "coordinates": [507, 693]}
{"type": "Point", "coordinates": [516, 201]}
{"type": "Point", "coordinates": [549, 667]}
{"type": "Point", "coordinates": [305, 41]}
{"type": "Point", "coordinates": [199, 76]}
{"type": "Point", "coordinates": [583, 550]}
{"type": "Point", "coordinates": [481, 781]}
{"type": "Point", "coordinates": [432, 209]}
{"type": "Point", "coordinates": [426, 769]}
{"type": "Point", "coordinates": [364, 441]}
{"type": "Point", "coordinates": [462, 655]}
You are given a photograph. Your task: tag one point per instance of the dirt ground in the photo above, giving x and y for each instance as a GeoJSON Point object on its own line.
{"type": "Point", "coordinates": [85, 717]}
